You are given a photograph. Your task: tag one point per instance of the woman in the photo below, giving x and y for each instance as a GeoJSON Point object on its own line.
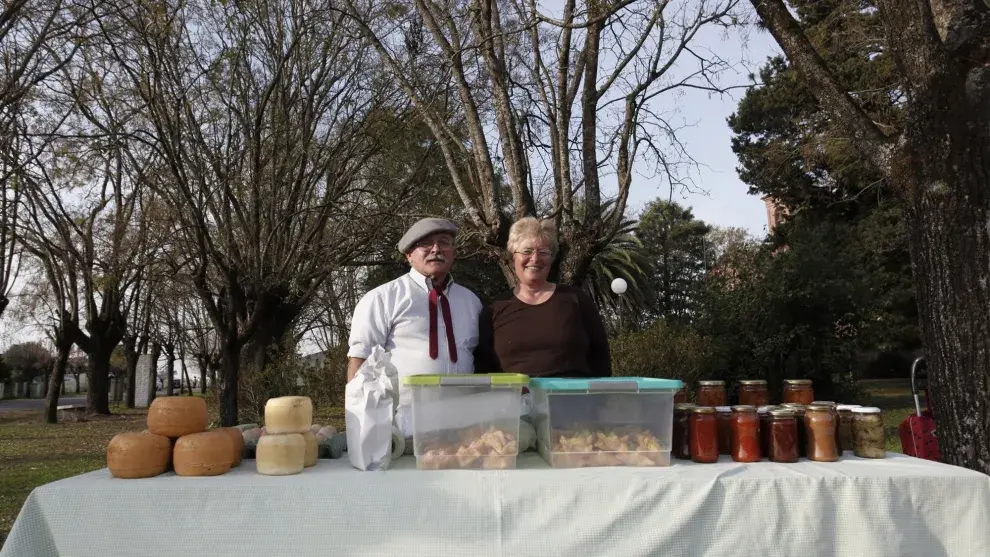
{"type": "Point", "coordinates": [541, 329]}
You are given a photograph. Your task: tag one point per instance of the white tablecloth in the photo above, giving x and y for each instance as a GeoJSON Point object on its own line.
{"type": "Point", "coordinates": [899, 506]}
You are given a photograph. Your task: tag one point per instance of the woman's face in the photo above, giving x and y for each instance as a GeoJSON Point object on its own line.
{"type": "Point", "coordinates": [531, 261]}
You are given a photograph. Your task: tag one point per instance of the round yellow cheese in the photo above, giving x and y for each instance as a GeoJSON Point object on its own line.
{"type": "Point", "coordinates": [281, 455]}
{"type": "Point", "coordinates": [210, 453]}
{"type": "Point", "coordinates": [175, 416]}
{"type": "Point", "coordinates": [238, 438]}
{"type": "Point", "coordinates": [288, 414]}
{"type": "Point", "coordinates": [312, 448]}
{"type": "Point", "coordinates": [138, 455]}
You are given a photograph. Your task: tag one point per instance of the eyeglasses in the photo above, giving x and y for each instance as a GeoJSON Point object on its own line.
{"type": "Point", "coordinates": [543, 253]}
{"type": "Point", "coordinates": [442, 243]}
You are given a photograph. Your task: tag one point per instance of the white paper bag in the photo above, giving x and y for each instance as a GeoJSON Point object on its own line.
{"type": "Point", "coordinates": [369, 406]}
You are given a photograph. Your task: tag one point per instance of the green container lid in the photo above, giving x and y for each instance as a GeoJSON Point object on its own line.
{"type": "Point", "coordinates": [499, 380]}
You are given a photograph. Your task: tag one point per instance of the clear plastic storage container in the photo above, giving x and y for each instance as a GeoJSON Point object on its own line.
{"type": "Point", "coordinates": [466, 421]}
{"type": "Point", "coordinates": [611, 421]}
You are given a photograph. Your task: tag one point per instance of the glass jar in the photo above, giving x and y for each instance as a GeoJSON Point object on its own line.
{"type": "Point", "coordinates": [724, 415]}
{"type": "Point", "coordinates": [868, 433]}
{"type": "Point", "coordinates": [704, 435]}
{"type": "Point", "coordinates": [845, 438]}
{"type": "Point", "coordinates": [820, 423]}
{"type": "Point", "coordinates": [835, 413]}
{"type": "Point", "coordinates": [783, 436]}
{"type": "Point", "coordinates": [712, 393]}
{"type": "Point", "coordinates": [745, 434]}
{"type": "Point", "coordinates": [681, 396]}
{"type": "Point", "coordinates": [754, 392]}
{"type": "Point", "coordinates": [799, 410]}
{"type": "Point", "coordinates": [799, 391]}
{"type": "Point", "coordinates": [681, 439]}
{"type": "Point", "coordinates": [764, 413]}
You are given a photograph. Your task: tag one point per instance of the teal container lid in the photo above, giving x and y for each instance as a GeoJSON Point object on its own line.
{"type": "Point", "coordinates": [612, 384]}
{"type": "Point", "coordinates": [495, 380]}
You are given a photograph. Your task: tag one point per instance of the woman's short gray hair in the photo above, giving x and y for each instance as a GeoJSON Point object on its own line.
{"type": "Point", "coordinates": [531, 227]}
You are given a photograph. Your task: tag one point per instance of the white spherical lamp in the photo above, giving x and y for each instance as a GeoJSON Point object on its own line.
{"type": "Point", "coordinates": [619, 286]}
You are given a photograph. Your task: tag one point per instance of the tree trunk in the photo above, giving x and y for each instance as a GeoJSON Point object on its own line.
{"type": "Point", "coordinates": [184, 381]}
{"type": "Point", "coordinates": [131, 355]}
{"type": "Point", "coordinates": [169, 370]}
{"type": "Point", "coordinates": [951, 260]}
{"type": "Point", "coordinates": [156, 352]}
{"type": "Point", "coordinates": [75, 375]}
{"type": "Point", "coordinates": [98, 397]}
{"type": "Point", "coordinates": [228, 387]}
{"type": "Point", "coordinates": [56, 380]}
{"type": "Point", "coordinates": [202, 364]}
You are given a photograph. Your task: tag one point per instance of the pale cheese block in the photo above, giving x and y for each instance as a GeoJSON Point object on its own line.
{"type": "Point", "coordinates": [238, 438]}
{"type": "Point", "coordinates": [288, 414]}
{"type": "Point", "coordinates": [281, 455]}
{"type": "Point", "coordinates": [175, 416]}
{"type": "Point", "coordinates": [312, 448]}
{"type": "Point", "coordinates": [210, 453]}
{"type": "Point", "coordinates": [138, 455]}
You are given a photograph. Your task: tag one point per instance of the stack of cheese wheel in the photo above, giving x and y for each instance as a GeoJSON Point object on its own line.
{"type": "Point", "coordinates": [195, 451]}
{"type": "Point", "coordinates": [288, 445]}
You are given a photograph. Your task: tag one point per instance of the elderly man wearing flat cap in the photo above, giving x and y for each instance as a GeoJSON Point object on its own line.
{"type": "Point", "coordinates": [427, 322]}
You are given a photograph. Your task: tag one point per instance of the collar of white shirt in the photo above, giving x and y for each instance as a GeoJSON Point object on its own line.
{"type": "Point", "coordinates": [427, 283]}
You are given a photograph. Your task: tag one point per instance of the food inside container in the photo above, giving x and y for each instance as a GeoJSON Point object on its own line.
{"type": "Point", "coordinates": [613, 421]}
{"type": "Point", "coordinates": [466, 421]}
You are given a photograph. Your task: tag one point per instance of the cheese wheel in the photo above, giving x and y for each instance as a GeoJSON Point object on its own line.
{"type": "Point", "coordinates": [281, 455]}
{"type": "Point", "coordinates": [175, 416]}
{"type": "Point", "coordinates": [288, 414]}
{"type": "Point", "coordinates": [138, 455]}
{"type": "Point", "coordinates": [210, 453]}
{"type": "Point", "coordinates": [312, 448]}
{"type": "Point", "coordinates": [238, 438]}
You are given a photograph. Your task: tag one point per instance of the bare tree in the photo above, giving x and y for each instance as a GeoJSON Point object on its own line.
{"type": "Point", "coordinates": [500, 84]}
{"type": "Point", "coordinates": [938, 161]}
{"type": "Point", "coordinates": [265, 114]}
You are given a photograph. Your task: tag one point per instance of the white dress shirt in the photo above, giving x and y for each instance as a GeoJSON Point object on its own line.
{"type": "Point", "coordinates": [396, 316]}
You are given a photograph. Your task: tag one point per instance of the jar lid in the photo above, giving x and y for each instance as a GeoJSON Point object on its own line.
{"type": "Point", "coordinates": [824, 403]}
{"type": "Point", "coordinates": [792, 405]}
{"type": "Point", "coordinates": [842, 407]}
{"type": "Point", "coordinates": [703, 410]}
{"type": "Point", "coordinates": [866, 410]}
{"type": "Point", "coordinates": [782, 413]}
{"type": "Point", "coordinates": [753, 382]}
{"type": "Point", "coordinates": [797, 381]}
{"type": "Point", "coordinates": [744, 408]}
{"type": "Point", "coordinates": [723, 409]}
{"type": "Point", "coordinates": [766, 408]}
{"type": "Point", "coordinates": [819, 408]}
{"type": "Point", "coordinates": [712, 383]}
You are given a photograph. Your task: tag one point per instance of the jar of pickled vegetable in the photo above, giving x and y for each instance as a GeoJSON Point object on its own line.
{"type": "Point", "coordinates": [868, 433]}
{"type": "Point", "coordinates": [783, 436]}
{"type": "Point", "coordinates": [763, 413]}
{"type": "Point", "coordinates": [724, 415]}
{"type": "Point", "coordinates": [712, 393]}
{"type": "Point", "coordinates": [846, 426]}
{"type": "Point", "coordinates": [745, 434]}
{"type": "Point", "coordinates": [681, 438]}
{"type": "Point", "coordinates": [820, 424]}
{"type": "Point", "coordinates": [704, 435]}
{"type": "Point", "coordinates": [681, 396]}
{"type": "Point", "coordinates": [753, 392]}
{"type": "Point", "coordinates": [799, 391]}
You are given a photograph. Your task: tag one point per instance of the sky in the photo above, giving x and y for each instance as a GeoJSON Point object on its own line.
{"type": "Point", "coordinates": [718, 196]}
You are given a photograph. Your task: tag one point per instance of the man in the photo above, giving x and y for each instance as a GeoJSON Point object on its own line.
{"type": "Point", "coordinates": [427, 322]}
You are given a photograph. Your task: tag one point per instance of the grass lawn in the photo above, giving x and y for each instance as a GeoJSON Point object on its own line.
{"type": "Point", "coordinates": [33, 453]}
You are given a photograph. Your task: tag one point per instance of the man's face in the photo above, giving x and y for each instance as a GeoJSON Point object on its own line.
{"type": "Point", "coordinates": [433, 255]}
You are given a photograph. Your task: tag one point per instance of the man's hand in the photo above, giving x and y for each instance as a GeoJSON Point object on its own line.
{"type": "Point", "coordinates": [353, 364]}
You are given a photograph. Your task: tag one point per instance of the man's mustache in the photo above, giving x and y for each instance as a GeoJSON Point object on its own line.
{"type": "Point", "coordinates": [439, 258]}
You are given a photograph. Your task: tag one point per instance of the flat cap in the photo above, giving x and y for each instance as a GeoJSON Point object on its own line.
{"type": "Point", "coordinates": [422, 229]}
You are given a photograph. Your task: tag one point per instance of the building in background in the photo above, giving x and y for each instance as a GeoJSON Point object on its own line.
{"type": "Point", "coordinates": [776, 213]}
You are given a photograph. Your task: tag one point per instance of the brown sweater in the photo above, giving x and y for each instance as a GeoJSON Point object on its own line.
{"type": "Point", "coordinates": [562, 337]}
